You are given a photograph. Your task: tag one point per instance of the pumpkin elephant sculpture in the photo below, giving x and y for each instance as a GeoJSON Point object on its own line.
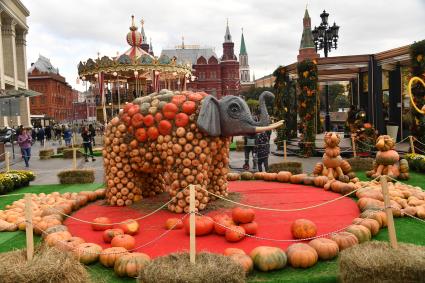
{"type": "Point", "coordinates": [166, 141]}
{"type": "Point", "coordinates": [332, 165]}
{"type": "Point", "coordinates": [387, 161]}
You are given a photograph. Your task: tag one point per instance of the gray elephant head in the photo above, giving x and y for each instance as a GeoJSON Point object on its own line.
{"type": "Point", "coordinates": [231, 116]}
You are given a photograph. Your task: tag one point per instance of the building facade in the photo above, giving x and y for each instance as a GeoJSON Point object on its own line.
{"type": "Point", "coordinates": [218, 76]}
{"type": "Point", "coordinates": [57, 97]}
{"type": "Point", "coordinates": [13, 75]}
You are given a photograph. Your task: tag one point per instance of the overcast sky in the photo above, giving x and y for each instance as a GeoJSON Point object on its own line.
{"type": "Point", "coordinates": [69, 31]}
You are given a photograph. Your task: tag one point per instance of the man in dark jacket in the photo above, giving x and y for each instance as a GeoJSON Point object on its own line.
{"type": "Point", "coordinates": [249, 146]}
{"type": "Point", "coordinates": [263, 150]}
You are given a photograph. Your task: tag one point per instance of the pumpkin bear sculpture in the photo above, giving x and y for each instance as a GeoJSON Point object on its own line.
{"type": "Point", "coordinates": [332, 165]}
{"type": "Point", "coordinates": [387, 160]}
{"type": "Point", "coordinates": [168, 140]}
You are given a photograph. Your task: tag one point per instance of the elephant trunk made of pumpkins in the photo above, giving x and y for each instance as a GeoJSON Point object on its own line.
{"type": "Point", "coordinates": [387, 160]}
{"type": "Point", "coordinates": [168, 140]}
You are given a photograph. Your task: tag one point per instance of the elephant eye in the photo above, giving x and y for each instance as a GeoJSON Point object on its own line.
{"type": "Point", "coordinates": [234, 108]}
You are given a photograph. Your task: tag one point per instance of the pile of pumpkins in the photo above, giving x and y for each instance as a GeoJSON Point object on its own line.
{"type": "Point", "coordinates": [405, 199]}
{"type": "Point", "coordinates": [48, 210]}
{"type": "Point", "coordinates": [155, 145]}
{"type": "Point", "coordinates": [234, 228]}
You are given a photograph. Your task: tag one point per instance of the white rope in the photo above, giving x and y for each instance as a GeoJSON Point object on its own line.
{"type": "Point", "coordinates": [289, 240]}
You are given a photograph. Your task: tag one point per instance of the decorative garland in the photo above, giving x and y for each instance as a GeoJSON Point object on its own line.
{"type": "Point", "coordinates": [285, 103]}
{"type": "Point", "coordinates": [307, 99]}
{"type": "Point", "coordinates": [417, 55]}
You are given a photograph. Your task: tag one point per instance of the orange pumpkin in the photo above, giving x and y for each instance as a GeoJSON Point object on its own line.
{"type": "Point", "coordinates": [344, 240]}
{"type": "Point", "coordinates": [297, 179]}
{"type": "Point", "coordinates": [371, 224]}
{"type": "Point", "coordinates": [325, 248]}
{"type": "Point", "coordinates": [164, 127]}
{"type": "Point", "coordinates": [125, 241]}
{"type": "Point", "coordinates": [101, 224]}
{"type": "Point", "coordinates": [178, 99]}
{"type": "Point", "coordinates": [231, 251]}
{"type": "Point", "coordinates": [379, 216]}
{"type": "Point", "coordinates": [189, 107]}
{"type": "Point", "coordinates": [181, 120]}
{"type": "Point", "coordinates": [250, 228]}
{"type": "Point", "coordinates": [303, 228]}
{"type": "Point", "coordinates": [204, 225]}
{"type": "Point", "coordinates": [301, 255]}
{"type": "Point", "coordinates": [243, 215]}
{"type": "Point", "coordinates": [320, 181]}
{"type": "Point", "coordinates": [137, 120]}
{"type": "Point", "coordinates": [283, 176]}
{"type": "Point", "coordinates": [361, 232]}
{"type": "Point", "coordinates": [109, 234]}
{"type": "Point", "coordinates": [158, 117]}
{"type": "Point", "coordinates": [153, 133]}
{"type": "Point", "coordinates": [173, 224]}
{"type": "Point", "coordinates": [131, 264]}
{"type": "Point", "coordinates": [55, 237]}
{"type": "Point", "coordinates": [243, 260]}
{"type": "Point", "coordinates": [221, 225]}
{"type": "Point", "coordinates": [148, 120]}
{"type": "Point", "coordinates": [110, 255]}
{"type": "Point", "coordinates": [133, 110]}
{"type": "Point", "coordinates": [87, 253]}
{"type": "Point", "coordinates": [195, 97]}
{"type": "Point", "coordinates": [141, 134]}
{"type": "Point", "coordinates": [268, 258]}
{"type": "Point", "coordinates": [235, 234]}
{"type": "Point", "coordinates": [169, 110]}
{"type": "Point", "coordinates": [69, 244]}
{"type": "Point", "coordinates": [129, 226]}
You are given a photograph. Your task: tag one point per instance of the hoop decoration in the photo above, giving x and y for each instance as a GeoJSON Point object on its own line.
{"type": "Point", "coordinates": [409, 89]}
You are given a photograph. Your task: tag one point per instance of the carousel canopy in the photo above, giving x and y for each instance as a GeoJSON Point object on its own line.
{"type": "Point", "coordinates": [133, 62]}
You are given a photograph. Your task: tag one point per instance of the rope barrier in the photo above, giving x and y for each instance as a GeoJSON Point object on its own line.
{"type": "Point", "coordinates": [289, 240]}
{"type": "Point", "coordinates": [10, 195]}
{"type": "Point", "coordinates": [287, 210]}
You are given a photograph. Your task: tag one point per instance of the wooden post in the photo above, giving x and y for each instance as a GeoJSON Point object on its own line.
{"type": "Point", "coordinates": [74, 158]}
{"type": "Point", "coordinates": [29, 227]}
{"type": "Point", "coordinates": [284, 150]}
{"type": "Point", "coordinates": [7, 161]}
{"type": "Point", "coordinates": [391, 228]}
{"type": "Point", "coordinates": [353, 141]}
{"type": "Point", "coordinates": [192, 224]}
{"type": "Point", "coordinates": [412, 145]}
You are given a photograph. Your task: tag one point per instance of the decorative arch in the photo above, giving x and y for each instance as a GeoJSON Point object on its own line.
{"type": "Point", "coordinates": [201, 61]}
{"type": "Point", "coordinates": [212, 60]}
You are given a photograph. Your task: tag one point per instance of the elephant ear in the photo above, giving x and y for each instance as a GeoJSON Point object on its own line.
{"type": "Point", "coordinates": [209, 117]}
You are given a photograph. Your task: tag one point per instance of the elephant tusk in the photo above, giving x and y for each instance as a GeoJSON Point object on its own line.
{"type": "Point", "coordinates": [269, 127]}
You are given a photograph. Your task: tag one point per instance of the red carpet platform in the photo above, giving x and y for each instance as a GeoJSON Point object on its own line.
{"type": "Point", "coordinates": [276, 225]}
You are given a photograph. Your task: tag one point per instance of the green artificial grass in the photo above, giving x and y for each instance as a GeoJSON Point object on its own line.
{"type": "Point", "coordinates": [408, 231]}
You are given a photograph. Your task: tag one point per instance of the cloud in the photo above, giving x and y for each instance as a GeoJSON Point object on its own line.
{"type": "Point", "coordinates": [69, 31]}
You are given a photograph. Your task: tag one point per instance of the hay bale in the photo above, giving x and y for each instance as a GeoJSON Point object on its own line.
{"type": "Point", "coordinates": [48, 265]}
{"type": "Point", "coordinates": [46, 153]}
{"type": "Point", "coordinates": [76, 176]}
{"type": "Point", "coordinates": [361, 163]}
{"type": "Point", "coordinates": [209, 268]}
{"type": "Point", "coordinates": [292, 166]}
{"type": "Point", "coordinates": [68, 153]}
{"type": "Point", "coordinates": [378, 262]}
{"type": "Point", "coordinates": [60, 149]}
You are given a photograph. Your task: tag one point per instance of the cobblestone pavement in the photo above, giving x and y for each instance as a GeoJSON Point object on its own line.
{"type": "Point", "coordinates": [47, 170]}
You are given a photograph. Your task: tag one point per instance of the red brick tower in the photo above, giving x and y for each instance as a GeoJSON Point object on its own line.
{"type": "Point", "coordinates": [229, 66]}
{"type": "Point", "coordinates": [307, 49]}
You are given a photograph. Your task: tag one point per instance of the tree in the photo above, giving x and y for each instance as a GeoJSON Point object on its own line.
{"type": "Point", "coordinates": [341, 101]}
{"type": "Point", "coordinates": [334, 91]}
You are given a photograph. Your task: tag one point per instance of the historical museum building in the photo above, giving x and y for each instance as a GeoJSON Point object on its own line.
{"type": "Point", "coordinates": [56, 101]}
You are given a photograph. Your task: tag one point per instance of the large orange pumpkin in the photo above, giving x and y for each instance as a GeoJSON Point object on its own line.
{"type": "Point", "coordinates": [178, 99]}
{"type": "Point", "coordinates": [129, 226]}
{"type": "Point", "coordinates": [133, 110]}
{"type": "Point", "coordinates": [221, 224]}
{"type": "Point", "coordinates": [109, 234]}
{"type": "Point", "coordinates": [243, 260]}
{"type": "Point", "coordinates": [125, 241]}
{"type": "Point", "coordinates": [189, 107]}
{"type": "Point", "coordinates": [164, 127]}
{"type": "Point", "coordinates": [235, 234]}
{"type": "Point", "coordinates": [243, 215]}
{"type": "Point", "coordinates": [153, 133]}
{"type": "Point", "coordinates": [69, 244]}
{"type": "Point", "coordinates": [169, 110]}
{"type": "Point", "coordinates": [361, 232]}
{"type": "Point", "coordinates": [137, 120]}
{"type": "Point", "coordinates": [148, 120]}
{"type": "Point", "coordinates": [131, 264]}
{"type": "Point", "coordinates": [250, 228]}
{"type": "Point", "coordinates": [371, 224]}
{"type": "Point", "coordinates": [325, 248]}
{"type": "Point", "coordinates": [268, 258]}
{"type": "Point", "coordinates": [301, 255]}
{"type": "Point", "coordinates": [173, 224]}
{"type": "Point", "coordinates": [53, 238]}
{"type": "Point", "coordinates": [303, 228]}
{"type": "Point", "coordinates": [283, 176]}
{"type": "Point", "coordinates": [110, 255]}
{"type": "Point", "coordinates": [101, 224]}
{"type": "Point", "coordinates": [141, 134]}
{"type": "Point", "coordinates": [204, 225]}
{"type": "Point", "coordinates": [87, 253]}
{"type": "Point", "coordinates": [181, 120]}
{"type": "Point", "coordinates": [344, 240]}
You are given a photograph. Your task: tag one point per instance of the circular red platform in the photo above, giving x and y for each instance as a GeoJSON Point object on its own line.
{"type": "Point", "coordinates": [276, 225]}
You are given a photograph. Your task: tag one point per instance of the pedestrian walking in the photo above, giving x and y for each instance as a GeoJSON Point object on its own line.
{"type": "Point", "coordinates": [87, 139]}
{"type": "Point", "coordinates": [67, 135]}
{"type": "Point", "coordinates": [41, 136]}
{"type": "Point", "coordinates": [263, 150]}
{"type": "Point", "coordinates": [25, 142]}
{"type": "Point", "coordinates": [92, 132]}
{"type": "Point", "coordinates": [249, 147]}
{"type": "Point", "coordinates": [48, 132]}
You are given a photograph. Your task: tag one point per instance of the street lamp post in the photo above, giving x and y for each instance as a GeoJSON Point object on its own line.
{"type": "Point", "coordinates": [326, 38]}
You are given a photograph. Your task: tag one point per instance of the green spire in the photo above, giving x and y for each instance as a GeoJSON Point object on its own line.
{"type": "Point", "coordinates": [243, 47]}
{"type": "Point", "coordinates": [307, 37]}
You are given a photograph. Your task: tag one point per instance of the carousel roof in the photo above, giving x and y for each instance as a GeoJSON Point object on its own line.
{"type": "Point", "coordinates": [133, 59]}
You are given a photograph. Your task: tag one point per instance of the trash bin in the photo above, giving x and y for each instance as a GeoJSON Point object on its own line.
{"type": "Point", "coordinates": [2, 157]}
{"type": "Point", "coordinates": [392, 130]}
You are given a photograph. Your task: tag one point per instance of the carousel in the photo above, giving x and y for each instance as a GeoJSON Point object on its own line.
{"type": "Point", "coordinates": [117, 80]}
